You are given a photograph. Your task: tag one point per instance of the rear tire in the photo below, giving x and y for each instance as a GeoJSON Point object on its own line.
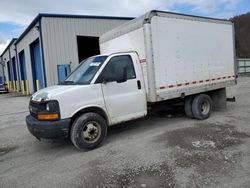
{"type": "Point", "coordinates": [202, 106]}
{"type": "Point", "coordinates": [188, 106]}
{"type": "Point", "coordinates": [88, 131]}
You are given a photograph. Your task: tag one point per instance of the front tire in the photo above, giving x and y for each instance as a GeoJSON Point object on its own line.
{"type": "Point", "coordinates": [202, 106]}
{"type": "Point", "coordinates": [88, 131]}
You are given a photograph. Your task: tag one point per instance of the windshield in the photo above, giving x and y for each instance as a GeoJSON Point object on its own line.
{"type": "Point", "coordinates": [85, 72]}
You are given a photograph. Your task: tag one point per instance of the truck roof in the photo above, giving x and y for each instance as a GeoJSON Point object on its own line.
{"type": "Point", "coordinates": [146, 18]}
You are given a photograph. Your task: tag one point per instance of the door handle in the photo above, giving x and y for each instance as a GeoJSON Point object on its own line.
{"type": "Point", "coordinates": [139, 84]}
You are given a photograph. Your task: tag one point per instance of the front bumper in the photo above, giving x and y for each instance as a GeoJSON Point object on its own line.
{"type": "Point", "coordinates": [48, 129]}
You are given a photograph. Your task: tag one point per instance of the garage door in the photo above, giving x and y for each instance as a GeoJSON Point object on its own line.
{"type": "Point", "coordinates": [37, 66]}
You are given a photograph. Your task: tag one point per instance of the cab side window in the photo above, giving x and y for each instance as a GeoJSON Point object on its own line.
{"type": "Point", "coordinates": [114, 66]}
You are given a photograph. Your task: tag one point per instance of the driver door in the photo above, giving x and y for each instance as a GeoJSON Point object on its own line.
{"type": "Point", "coordinates": [125, 100]}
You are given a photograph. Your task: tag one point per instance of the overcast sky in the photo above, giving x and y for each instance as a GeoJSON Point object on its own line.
{"type": "Point", "coordinates": [16, 15]}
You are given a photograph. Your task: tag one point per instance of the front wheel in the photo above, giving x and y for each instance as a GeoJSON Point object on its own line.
{"type": "Point", "coordinates": [88, 131]}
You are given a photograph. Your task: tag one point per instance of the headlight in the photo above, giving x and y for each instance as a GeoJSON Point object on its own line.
{"type": "Point", "coordinates": [47, 107]}
{"type": "Point", "coordinates": [46, 110]}
{"type": "Point", "coordinates": [52, 106]}
{"type": "Point", "coordinates": [52, 111]}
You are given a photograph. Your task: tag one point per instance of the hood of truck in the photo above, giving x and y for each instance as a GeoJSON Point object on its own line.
{"type": "Point", "coordinates": [72, 98]}
{"type": "Point", "coordinates": [52, 92]}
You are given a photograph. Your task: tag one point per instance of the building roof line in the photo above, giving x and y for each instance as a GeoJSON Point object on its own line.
{"type": "Point", "coordinates": [10, 43]}
{"type": "Point", "coordinates": [40, 15]}
{"type": "Point", "coordinates": [84, 16]}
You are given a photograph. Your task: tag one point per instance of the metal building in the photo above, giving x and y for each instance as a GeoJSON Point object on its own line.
{"type": "Point", "coordinates": [2, 64]}
{"type": "Point", "coordinates": [10, 66]}
{"type": "Point", "coordinates": [2, 76]}
{"type": "Point", "coordinates": [52, 45]}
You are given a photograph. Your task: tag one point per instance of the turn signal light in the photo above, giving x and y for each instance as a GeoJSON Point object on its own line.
{"type": "Point", "coordinates": [48, 116]}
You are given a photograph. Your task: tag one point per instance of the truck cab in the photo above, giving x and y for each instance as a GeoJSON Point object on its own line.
{"type": "Point", "coordinates": [103, 90]}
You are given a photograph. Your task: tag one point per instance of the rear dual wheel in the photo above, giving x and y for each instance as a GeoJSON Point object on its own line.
{"type": "Point", "coordinates": [188, 106]}
{"type": "Point", "coordinates": [198, 107]}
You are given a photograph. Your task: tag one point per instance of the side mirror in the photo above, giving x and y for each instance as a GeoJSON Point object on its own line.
{"type": "Point", "coordinates": [105, 79]}
{"type": "Point", "coordinates": [121, 75]}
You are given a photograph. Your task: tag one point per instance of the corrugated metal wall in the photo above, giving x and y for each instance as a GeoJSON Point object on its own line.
{"type": "Point", "coordinates": [60, 40]}
{"type": "Point", "coordinates": [7, 57]}
{"type": "Point", "coordinates": [1, 71]}
{"type": "Point", "coordinates": [24, 44]}
{"type": "Point", "coordinates": [14, 67]}
{"type": "Point", "coordinates": [1, 68]}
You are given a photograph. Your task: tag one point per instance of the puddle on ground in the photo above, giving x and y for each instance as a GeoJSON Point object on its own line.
{"type": "Point", "coordinates": [161, 176]}
{"type": "Point", "coordinates": [158, 176]}
{"type": "Point", "coordinates": [204, 136]}
{"type": "Point", "coordinates": [210, 150]}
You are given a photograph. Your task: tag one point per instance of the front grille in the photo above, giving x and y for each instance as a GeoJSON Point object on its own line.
{"type": "Point", "coordinates": [35, 107]}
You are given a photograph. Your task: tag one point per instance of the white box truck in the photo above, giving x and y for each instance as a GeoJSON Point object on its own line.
{"type": "Point", "coordinates": [152, 59]}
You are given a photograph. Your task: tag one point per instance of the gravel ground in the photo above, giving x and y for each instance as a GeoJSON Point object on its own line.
{"type": "Point", "coordinates": [157, 151]}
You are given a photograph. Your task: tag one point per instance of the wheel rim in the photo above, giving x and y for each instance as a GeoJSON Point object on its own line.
{"type": "Point", "coordinates": [91, 132]}
{"type": "Point", "coordinates": [205, 107]}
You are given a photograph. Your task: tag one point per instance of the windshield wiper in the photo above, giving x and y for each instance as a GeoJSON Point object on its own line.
{"type": "Point", "coordinates": [69, 82]}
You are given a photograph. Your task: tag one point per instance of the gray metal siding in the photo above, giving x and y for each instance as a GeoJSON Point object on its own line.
{"type": "Point", "coordinates": [1, 68]}
{"type": "Point", "coordinates": [1, 71]}
{"type": "Point", "coordinates": [13, 54]}
{"type": "Point", "coordinates": [12, 51]}
{"type": "Point", "coordinates": [24, 44]}
{"type": "Point", "coordinates": [60, 40]}
{"type": "Point", "coordinates": [7, 57]}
